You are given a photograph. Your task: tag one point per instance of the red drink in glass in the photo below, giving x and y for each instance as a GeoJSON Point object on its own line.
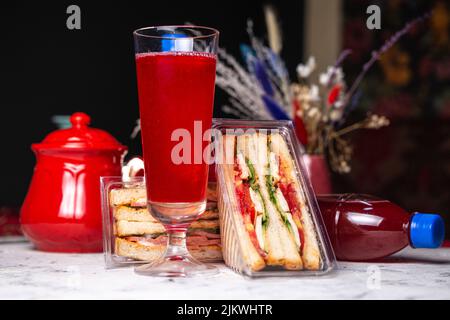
{"type": "Point", "coordinates": [176, 89]}
{"type": "Point", "coordinates": [176, 69]}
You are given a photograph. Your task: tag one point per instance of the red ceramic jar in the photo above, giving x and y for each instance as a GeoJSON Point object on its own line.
{"type": "Point", "coordinates": [62, 210]}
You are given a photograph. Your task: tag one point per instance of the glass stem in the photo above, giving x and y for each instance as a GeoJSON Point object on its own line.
{"type": "Point", "coordinates": [176, 244]}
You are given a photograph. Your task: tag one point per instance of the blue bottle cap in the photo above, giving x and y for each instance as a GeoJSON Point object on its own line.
{"type": "Point", "coordinates": [427, 230]}
{"type": "Point", "coordinates": [170, 45]}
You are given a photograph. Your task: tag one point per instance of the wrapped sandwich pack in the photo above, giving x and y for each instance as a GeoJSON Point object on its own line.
{"type": "Point", "coordinates": [269, 221]}
{"type": "Point", "coordinates": [132, 235]}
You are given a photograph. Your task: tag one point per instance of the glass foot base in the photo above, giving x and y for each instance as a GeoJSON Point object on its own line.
{"type": "Point", "coordinates": [176, 266]}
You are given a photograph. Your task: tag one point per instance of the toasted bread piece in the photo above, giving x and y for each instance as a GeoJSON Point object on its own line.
{"type": "Point", "coordinates": [135, 228]}
{"type": "Point", "coordinates": [138, 251]}
{"type": "Point", "coordinates": [210, 214]}
{"type": "Point", "coordinates": [135, 250]}
{"type": "Point", "coordinates": [211, 192]}
{"type": "Point", "coordinates": [311, 253]}
{"type": "Point", "coordinates": [127, 196]}
{"type": "Point", "coordinates": [207, 253]}
{"type": "Point", "coordinates": [133, 214]}
{"type": "Point", "coordinates": [204, 224]}
{"type": "Point", "coordinates": [143, 215]}
{"type": "Point", "coordinates": [249, 253]}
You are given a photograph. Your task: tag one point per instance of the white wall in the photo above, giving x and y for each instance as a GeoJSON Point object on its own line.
{"type": "Point", "coordinates": [323, 31]}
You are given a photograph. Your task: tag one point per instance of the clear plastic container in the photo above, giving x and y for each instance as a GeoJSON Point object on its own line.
{"type": "Point", "coordinates": [119, 252]}
{"type": "Point", "coordinates": [236, 246]}
{"type": "Point", "coordinates": [107, 184]}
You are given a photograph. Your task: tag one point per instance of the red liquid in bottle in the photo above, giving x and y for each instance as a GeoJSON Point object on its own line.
{"type": "Point", "coordinates": [363, 227]}
{"type": "Point", "coordinates": [175, 90]}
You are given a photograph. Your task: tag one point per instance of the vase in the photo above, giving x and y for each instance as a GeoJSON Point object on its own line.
{"type": "Point", "coordinates": [318, 172]}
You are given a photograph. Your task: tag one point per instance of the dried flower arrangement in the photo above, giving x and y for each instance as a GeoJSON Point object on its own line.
{"type": "Point", "coordinates": [262, 90]}
{"type": "Point", "coordinates": [321, 110]}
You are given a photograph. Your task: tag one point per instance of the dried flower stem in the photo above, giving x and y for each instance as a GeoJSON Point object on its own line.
{"type": "Point", "coordinates": [376, 54]}
{"type": "Point", "coordinates": [353, 127]}
{"type": "Point", "coordinates": [344, 54]}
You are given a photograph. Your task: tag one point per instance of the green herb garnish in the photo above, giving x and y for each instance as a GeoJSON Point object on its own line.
{"type": "Point", "coordinates": [252, 180]}
{"type": "Point", "coordinates": [271, 189]}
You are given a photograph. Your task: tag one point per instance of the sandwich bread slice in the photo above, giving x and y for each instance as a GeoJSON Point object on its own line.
{"type": "Point", "coordinates": [149, 248]}
{"type": "Point", "coordinates": [274, 225]}
{"type": "Point", "coordinates": [138, 235]}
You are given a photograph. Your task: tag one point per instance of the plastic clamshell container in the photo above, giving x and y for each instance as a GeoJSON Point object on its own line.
{"type": "Point", "coordinates": [233, 249]}
{"type": "Point", "coordinates": [113, 260]}
{"type": "Point", "coordinates": [107, 184]}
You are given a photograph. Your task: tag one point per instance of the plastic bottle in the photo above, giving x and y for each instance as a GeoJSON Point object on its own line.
{"type": "Point", "coordinates": [363, 227]}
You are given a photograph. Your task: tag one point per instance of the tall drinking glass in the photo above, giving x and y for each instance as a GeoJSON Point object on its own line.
{"type": "Point", "coordinates": [175, 68]}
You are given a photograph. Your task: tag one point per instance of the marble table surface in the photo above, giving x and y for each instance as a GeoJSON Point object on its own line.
{"type": "Point", "coordinates": [29, 274]}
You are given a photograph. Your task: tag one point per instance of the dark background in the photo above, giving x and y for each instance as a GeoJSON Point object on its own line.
{"type": "Point", "coordinates": [409, 161]}
{"type": "Point", "coordinates": [46, 69]}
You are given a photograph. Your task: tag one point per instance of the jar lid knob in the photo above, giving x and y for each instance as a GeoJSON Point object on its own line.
{"type": "Point", "coordinates": [80, 119]}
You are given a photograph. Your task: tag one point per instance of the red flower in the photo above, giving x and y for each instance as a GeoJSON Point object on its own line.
{"type": "Point", "coordinates": [334, 94]}
{"type": "Point", "coordinates": [300, 129]}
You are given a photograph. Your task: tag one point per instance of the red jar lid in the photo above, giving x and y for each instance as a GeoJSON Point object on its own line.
{"type": "Point", "coordinates": [79, 136]}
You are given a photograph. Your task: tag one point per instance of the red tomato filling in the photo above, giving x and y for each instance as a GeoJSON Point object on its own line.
{"type": "Point", "coordinates": [290, 194]}
{"type": "Point", "coordinates": [247, 210]}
